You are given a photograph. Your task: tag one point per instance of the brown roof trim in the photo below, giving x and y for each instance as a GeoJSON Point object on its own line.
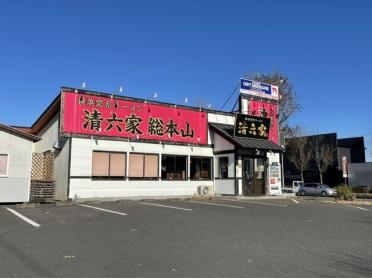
{"type": "Point", "coordinates": [19, 132]}
{"type": "Point", "coordinates": [22, 128]}
{"type": "Point", "coordinates": [48, 114]}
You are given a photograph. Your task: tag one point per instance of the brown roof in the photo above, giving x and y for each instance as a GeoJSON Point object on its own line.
{"type": "Point", "coordinates": [19, 132]}
{"type": "Point", "coordinates": [227, 131]}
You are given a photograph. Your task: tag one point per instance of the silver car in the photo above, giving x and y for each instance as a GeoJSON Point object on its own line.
{"type": "Point", "coordinates": [316, 189]}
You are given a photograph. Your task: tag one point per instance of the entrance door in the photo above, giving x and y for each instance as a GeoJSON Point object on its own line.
{"type": "Point", "coordinates": [253, 176]}
{"type": "Point", "coordinates": [248, 178]}
{"type": "Point", "coordinates": [259, 177]}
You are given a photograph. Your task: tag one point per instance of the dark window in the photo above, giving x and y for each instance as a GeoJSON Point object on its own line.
{"type": "Point", "coordinates": [143, 166]}
{"type": "Point", "coordinates": [201, 168]}
{"type": "Point", "coordinates": [108, 165]}
{"type": "Point", "coordinates": [173, 167]}
{"type": "Point", "coordinates": [223, 163]}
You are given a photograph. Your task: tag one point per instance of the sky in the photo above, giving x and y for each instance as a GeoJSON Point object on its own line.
{"type": "Point", "coordinates": [193, 49]}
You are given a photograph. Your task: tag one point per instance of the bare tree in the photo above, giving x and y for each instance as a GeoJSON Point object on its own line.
{"type": "Point", "coordinates": [297, 152]}
{"type": "Point", "coordinates": [323, 155]}
{"type": "Point", "coordinates": [288, 102]}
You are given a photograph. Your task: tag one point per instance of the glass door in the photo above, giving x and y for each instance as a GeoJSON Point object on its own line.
{"type": "Point", "coordinates": [254, 176]}
{"type": "Point", "coordinates": [248, 177]}
{"type": "Point", "coordinates": [259, 176]}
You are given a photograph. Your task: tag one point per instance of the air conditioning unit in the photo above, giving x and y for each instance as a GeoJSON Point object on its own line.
{"type": "Point", "coordinates": [204, 190]}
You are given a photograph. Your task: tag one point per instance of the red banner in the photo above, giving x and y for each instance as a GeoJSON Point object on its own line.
{"type": "Point", "coordinates": [268, 110]}
{"type": "Point", "coordinates": [104, 116]}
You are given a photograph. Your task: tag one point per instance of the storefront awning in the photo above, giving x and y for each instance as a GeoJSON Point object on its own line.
{"type": "Point", "coordinates": [227, 132]}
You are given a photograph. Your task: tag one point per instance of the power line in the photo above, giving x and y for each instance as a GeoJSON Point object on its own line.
{"type": "Point", "coordinates": [232, 93]}
{"type": "Point", "coordinates": [237, 99]}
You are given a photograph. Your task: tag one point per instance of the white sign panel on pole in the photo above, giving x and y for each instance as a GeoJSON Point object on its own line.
{"type": "Point", "coordinates": [259, 89]}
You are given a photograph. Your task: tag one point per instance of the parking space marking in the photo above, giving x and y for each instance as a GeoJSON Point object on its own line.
{"type": "Point", "coordinates": [24, 218]}
{"type": "Point", "coordinates": [295, 201]}
{"type": "Point", "coordinates": [217, 204]}
{"type": "Point", "coordinates": [361, 208]}
{"type": "Point", "coordinates": [102, 209]}
{"type": "Point", "coordinates": [264, 203]}
{"type": "Point", "coordinates": [161, 205]}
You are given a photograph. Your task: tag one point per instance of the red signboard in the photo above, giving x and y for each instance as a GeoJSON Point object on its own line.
{"type": "Point", "coordinates": [268, 110]}
{"type": "Point", "coordinates": [104, 116]}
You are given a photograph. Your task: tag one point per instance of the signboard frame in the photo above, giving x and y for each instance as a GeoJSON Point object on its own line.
{"type": "Point", "coordinates": [179, 113]}
{"type": "Point", "coordinates": [259, 89]}
{"type": "Point", "coordinates": [262, 120]}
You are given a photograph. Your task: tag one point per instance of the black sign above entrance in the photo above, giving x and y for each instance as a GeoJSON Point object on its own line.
{"type": "Point", "coordinates": [249, 126]}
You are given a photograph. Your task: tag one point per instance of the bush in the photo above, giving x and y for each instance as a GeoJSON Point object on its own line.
{"type": "Point", "coordinates": [363, 196]}
{"type": "Point", "coordinates": [360, 189]}
{"type": "Point", "coordinates": [344, 192]}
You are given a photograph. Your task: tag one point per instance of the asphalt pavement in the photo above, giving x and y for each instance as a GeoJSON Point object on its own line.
{"type": "Point", "coordinates": [187, 238]}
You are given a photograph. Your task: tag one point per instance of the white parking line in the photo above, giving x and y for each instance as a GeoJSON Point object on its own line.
{"type": "Point", "coordinates": [160, 205]}
{"type": "Point", "coordinates": [216, 204]}
{"type": "Point", "coordinates": [102, 209]}
{"type": "Point", "coordinates": [361, 208]}
{"type": "Point", "coordinates": [263, 203]}
{"type": "Point", "coordinates": [24, 218]}
{"type": "Point", "coordinates": [295, 201]}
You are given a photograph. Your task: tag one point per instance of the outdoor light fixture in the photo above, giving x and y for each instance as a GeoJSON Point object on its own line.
{"type": "Point", "coordinates": [149, 97]}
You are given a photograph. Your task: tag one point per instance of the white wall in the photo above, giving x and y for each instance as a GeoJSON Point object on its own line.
{"type": "Point", "coordinates": [230, 169]}
{"type": "Point", "coordinates": [225, 186]}
{"type": "Point", "coordinates": [84, 187]}
{"type": "Point", "coordinates": [15, 187]}
{"type": "Point", "coordinates": [221, 119]}
{"type": "Point", "coordinates": [61, 158]}
{"type": "Point", "coordinates": [220, 144]}
{"type": "Point", "coordinates": [48, 135]}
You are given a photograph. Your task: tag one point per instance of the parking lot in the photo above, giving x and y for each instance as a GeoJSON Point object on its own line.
{"type": "Point", "coordinates": [296, 237]}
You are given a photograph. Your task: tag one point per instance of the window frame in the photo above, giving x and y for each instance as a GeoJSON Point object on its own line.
{"type": "Point", "coordinates": [201, 164]}
{"type": "Point", "coordinates": [175, 156]}
{"type": "Point", "coordinates": [219, 167]}
{"type": "Point", "coordinates": [109, 177]}
{"type": "Point", "coordinates": [7, 165]}
{"type": "Point", "coordinates": [144, 165]}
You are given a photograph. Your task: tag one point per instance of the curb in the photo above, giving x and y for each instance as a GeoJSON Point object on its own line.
{"type": "Point", "coordinates": [355, 202]}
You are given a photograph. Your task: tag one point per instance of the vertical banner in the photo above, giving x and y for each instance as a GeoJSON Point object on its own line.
{"type": "Point", "coordinates": [344, 167]}
{"type": "Point", "coordinates": [267, 110]}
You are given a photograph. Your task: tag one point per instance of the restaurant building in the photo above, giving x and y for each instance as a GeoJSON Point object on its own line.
{"type": "Point", "coordinates": [110, 146]}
